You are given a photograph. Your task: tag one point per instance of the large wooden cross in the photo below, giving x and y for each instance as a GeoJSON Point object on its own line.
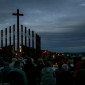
{"type": "Point", "coordinates": [17, 14]}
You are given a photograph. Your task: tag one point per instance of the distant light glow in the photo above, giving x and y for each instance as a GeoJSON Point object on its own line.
{"type": "Point", "coordinates": [53, 56]}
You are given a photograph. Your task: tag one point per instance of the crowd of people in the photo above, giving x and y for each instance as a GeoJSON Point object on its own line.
{"type": "Point", "coordinates": [24, 71]}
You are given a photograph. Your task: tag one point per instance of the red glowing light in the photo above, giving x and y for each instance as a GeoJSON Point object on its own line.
{"type": "Point", "coordinates": [56, 64]}
{"type": "Point", "coordinates": [0, 48]}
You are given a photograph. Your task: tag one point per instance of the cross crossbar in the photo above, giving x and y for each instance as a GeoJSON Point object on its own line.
{"type": "Point", "coordinates": [17, 14]}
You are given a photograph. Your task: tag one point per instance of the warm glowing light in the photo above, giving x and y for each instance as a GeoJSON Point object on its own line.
{"type": "Point", "coordinates": [58, 54]}
{"type": "Point", "coordinates": [20, 48]}
{"type": "Point", "coordinates": [53, 56]}
{"type": "Point", "coordinates": [45, 51]}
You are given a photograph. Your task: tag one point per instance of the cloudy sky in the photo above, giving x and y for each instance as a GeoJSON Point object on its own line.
{"type": "Point", "coordinates": [60, 23]}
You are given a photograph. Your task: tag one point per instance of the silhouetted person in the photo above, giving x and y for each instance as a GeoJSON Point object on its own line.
{"type": "Point", "coordinates": [39, 67]}
{"type": "Point", "coordinates": [30, 71]}
{"type": "Point", "coordinates": [63, 76]}
{"type": "Point", "coordinates": [48, 74]}
{"type": "Point", "coordinates": [5, 72]}
{"type": "Point", "coordinates": [58, 73]}
{"type": "Point", "coordinates": [78, 65]}
{"type": "Point", "coordinates": [17, 76]}
{"type": "Point", "coordinates": [80, 76]}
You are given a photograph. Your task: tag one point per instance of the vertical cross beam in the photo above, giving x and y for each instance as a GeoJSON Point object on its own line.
{"type": "Point", "coordinates": [17, 14]}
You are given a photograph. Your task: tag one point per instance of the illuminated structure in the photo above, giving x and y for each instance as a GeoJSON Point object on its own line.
{"type": "Point", "coordinates": [27, 47]}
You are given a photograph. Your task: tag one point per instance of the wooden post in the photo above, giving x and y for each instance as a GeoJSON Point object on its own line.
{"type": "Point", "coordinates": [14, 37]}
{"type": "Point", "coordinates": [33, 39]}
{"type": "Point", "coordinates": [25, 36]}
{"type": "Point", "coordinates": [38, 46]}
{"type": "Point", "coordinates": [33, 56]}
{"type": "Point", "coordinates": [22, 35]}
{"type": "Point", "coordinates": [29, 38]}
{"type": "Point", "coordinates": [29, 42]}
{"type": "Point", "coordinates": [6, 37]}
{"type": "Point", "coordinates": [1, 38]}
{"type": "Point", "coordinates": [10, 35]}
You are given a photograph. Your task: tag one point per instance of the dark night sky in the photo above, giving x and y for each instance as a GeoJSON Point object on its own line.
{"type": "Point", "coordinates": [60, 23]}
